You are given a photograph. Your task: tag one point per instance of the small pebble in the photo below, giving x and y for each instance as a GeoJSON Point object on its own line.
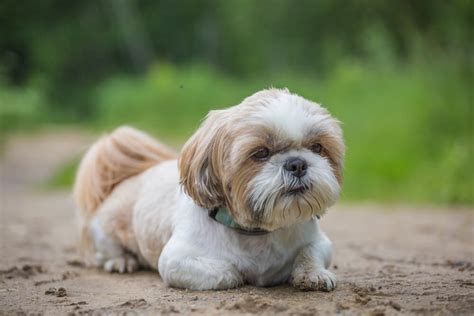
{"type": "Point", "coordinates": [61, 292]}
{"type": "Point", "coordinates": [378, 312]}
{"type": "Point", "coordinates": [50, 291]}
{"type": "Point", "coordinates": [395, 305]}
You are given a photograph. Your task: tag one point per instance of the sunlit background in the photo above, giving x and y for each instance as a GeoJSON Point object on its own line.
{"type": "Point", "coordinates": [398, 74]}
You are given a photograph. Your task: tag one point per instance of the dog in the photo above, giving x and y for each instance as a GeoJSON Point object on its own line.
{"type": "Point", "coordinates": [241, 204]}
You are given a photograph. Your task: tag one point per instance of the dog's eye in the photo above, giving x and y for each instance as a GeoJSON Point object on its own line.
{"type": "Point", "coordinates": [261, 154]}
{"type": "Point", "coordinates": [316, 148]}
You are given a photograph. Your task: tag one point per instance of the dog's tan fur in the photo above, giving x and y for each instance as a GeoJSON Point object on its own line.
{"type": "Point", "coordinates": [114, 158]}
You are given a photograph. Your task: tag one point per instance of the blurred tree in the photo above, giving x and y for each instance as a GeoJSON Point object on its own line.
{"type": "Point", "coordinates": [71, 46]}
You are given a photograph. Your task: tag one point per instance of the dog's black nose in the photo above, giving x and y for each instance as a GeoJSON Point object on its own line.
{"type": "Point", "coordinates": [296, 166]}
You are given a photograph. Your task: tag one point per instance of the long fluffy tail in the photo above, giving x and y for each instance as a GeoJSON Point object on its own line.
{"type": "Point", "coordinates": [115, 157]}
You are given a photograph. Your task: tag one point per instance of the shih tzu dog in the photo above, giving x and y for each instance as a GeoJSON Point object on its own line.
{"type": "Point", "coordinates": [240, 204]}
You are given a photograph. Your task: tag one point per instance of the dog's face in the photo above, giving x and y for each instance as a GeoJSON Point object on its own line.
{"type": "Point", "coordinates": [274, 160]}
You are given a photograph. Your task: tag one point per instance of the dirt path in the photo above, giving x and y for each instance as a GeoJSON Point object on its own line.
{"type": "Point", "coordinates": [389, 260]}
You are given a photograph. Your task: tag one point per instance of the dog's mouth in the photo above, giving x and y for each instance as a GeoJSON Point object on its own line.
{"type": "Point", "coordinates": [297, 189]}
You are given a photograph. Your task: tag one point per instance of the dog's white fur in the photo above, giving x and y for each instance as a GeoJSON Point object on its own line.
{"type": "Point", "coordinates": [139, 206]}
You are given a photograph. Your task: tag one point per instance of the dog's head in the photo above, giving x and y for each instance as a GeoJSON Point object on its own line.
{"type": "Point", "coordinates": [273, 160]}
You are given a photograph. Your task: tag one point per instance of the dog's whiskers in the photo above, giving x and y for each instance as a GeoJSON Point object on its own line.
{"type": "Point", "coordinates": [299, 208]}
{"type": "Point", "coordinates": [309, 204]}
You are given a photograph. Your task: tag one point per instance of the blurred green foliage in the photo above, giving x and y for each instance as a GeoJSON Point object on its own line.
{"type": "Point", "coordinates": [398, 74]}
{"type": "Point", "coordinates": [407, 128]}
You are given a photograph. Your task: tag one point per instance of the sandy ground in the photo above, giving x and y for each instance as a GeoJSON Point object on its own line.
{"type": "Point", "coordinates": [389, 259]}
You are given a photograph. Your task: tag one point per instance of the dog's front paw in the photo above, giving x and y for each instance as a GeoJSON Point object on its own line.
{"type": "Point", "coordinates": [316, 280]}
{"type": "Point", "coordinates": [121, 264]}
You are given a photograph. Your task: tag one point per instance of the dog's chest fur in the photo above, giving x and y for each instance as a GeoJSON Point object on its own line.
{"type": "Point", "coordinates": [267, 264]}
{"type": "Point", "coordinates": [262, 260]}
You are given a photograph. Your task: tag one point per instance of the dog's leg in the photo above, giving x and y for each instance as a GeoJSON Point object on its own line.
{"type": "Point", "coordinates": [110, 255]}
{"type": "Point", "coordinates": [311, 264]}
{"type": "Point", "coordinates": [183, 266]}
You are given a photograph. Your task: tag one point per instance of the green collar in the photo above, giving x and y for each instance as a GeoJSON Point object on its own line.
{"type": "Point", "coordinates": [223, 216]}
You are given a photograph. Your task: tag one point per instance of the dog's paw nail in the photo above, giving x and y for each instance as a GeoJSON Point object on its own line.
{"type": "Point", "coordinates": [321, 280]}
{"type": "Point", "coordinates": [121, 264]}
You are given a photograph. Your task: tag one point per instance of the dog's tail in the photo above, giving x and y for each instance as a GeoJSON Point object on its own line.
{"type": "Point", "coordinates": [115, 157]}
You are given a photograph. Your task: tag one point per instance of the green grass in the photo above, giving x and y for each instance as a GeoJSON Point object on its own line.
{"type": "Point", "coordinates": [20, 109]}
{"type": "Point", "coordinates": [408, 127]}
{"type": "Point", "coordinates": [64, 176]}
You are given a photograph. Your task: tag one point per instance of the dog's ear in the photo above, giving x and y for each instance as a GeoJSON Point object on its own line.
{"type": "Point", "coordinates": [201, 161]}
